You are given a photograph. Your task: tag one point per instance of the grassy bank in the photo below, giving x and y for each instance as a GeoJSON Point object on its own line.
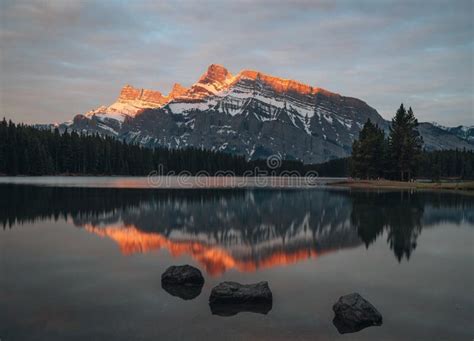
{"type": "Point", "coordinates": [461, 185]}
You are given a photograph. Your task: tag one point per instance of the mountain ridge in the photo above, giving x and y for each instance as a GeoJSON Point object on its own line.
{"type": "Point", "coordinates": [250, 113]}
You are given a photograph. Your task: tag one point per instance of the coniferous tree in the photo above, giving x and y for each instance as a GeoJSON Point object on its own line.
{"type": "Point", "coordinates": [405, 143]}
{"type": "Point", "coordinates": [368, 152]}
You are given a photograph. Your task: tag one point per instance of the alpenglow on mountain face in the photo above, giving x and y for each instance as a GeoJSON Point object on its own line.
{"type": "Point", "coordinates": [251, 114]}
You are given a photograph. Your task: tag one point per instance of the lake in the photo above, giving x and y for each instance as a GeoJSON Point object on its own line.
{"type": "Point", "coordinates": [82, 258]}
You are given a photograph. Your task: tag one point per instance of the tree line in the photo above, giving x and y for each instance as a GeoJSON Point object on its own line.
{"type": "Point", "coordinates": [26, 150]}
{"type": "Point", "coordinates": [433, 165]}
{"type": "Point", "coordinates": [447, 164]}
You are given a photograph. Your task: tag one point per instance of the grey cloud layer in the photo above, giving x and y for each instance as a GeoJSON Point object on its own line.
{"type": "Point", "coordinates": [59, 58]}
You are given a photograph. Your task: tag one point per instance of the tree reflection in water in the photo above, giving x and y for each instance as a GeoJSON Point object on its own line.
{"type": "Point", "coordinates": [398, 213]}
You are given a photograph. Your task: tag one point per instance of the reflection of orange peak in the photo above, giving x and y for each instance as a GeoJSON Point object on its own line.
{"type": "Point", "coordinates": [215, 260]}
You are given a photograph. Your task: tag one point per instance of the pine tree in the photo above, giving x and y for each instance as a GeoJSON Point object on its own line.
{"type": "Point", "coordinates": [405, 143]}
{"type": "Point", "coordinates": [368, 152]}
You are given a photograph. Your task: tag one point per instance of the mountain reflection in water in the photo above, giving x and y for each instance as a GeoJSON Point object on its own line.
{"type": "Point", "coordinates": [214, 259]}
{"type": "Point", "coordinates": [243, 230]}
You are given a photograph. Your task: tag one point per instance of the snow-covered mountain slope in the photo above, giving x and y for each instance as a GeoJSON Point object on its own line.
{"type": "Point", "coordinates": [249, 113]}
{"type": "Point", "coordinates": [130, 102]}
{"type": "Point", "coordinates": [463, 132]}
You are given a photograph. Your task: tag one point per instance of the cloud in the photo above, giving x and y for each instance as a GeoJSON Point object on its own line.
{"type": "Point", "coordinates": [59, 58]}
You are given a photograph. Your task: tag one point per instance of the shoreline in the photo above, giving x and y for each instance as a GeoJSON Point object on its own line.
{"type": "Point", "coordinates": [56, 180]}
{"type": "Point", "coordinates": [389, 184]}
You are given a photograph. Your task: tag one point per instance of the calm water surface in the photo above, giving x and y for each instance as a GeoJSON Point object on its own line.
{"type": "Point", "coordinates": [85, 263]}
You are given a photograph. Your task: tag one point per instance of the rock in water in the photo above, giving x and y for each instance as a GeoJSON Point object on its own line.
{"type": "Point", "coordinates": [354, 313]}
{"type": "Point", "coordinates": [182, 275]}
{"type": "Point", "coordinates": [230, 298]}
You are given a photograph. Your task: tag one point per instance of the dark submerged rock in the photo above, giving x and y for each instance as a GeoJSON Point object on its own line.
{"type": "Point", "coordinates": [230, 298]}
{"type": "Point", "coordinates": [186, 275]}
{"type": "Point", "coordinates": [354, 313]}
{"type": "Point", "coordinates": [186, 292]}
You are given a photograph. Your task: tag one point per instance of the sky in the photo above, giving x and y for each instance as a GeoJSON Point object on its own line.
{"type": "Point", "coordinates": [59, 58]}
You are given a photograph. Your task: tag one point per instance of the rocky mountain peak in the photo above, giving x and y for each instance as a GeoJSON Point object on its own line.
{"type": "Point", "coordinates": [215, 79]}
{"type": "Point", "coordinates": [280, 85]}
{"type": "Point", "coordinates": [177, 91]}
{"type": "Point", "coordinates": [129, 93]}
{"type": "Point", "coordinates": [215, 73]}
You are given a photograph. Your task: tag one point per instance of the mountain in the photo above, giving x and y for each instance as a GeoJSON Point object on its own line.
{"type": "Point", "coordinates": [463, 132]}
{"type": "Point", "coordinates": [250, 113]}
{"type": "Point", "coordinates": [437, 137]}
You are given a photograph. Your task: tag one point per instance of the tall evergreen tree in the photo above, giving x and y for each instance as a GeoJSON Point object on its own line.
{"type": "Point", "coordinates": [405, 143]}
{"type": "Point", "coordinates": [368, 152]}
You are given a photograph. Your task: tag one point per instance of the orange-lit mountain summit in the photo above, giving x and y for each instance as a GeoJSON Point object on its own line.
{"type": "Point", "coordinates": [217, 79]}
